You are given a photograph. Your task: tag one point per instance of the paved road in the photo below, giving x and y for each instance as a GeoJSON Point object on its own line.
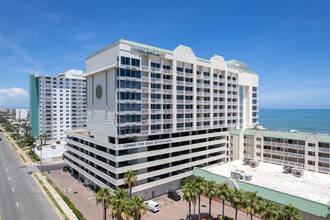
{"type": "Point", "coordinates": [51, 167]}
{"type": "Point", "coordinates": [20, 196]}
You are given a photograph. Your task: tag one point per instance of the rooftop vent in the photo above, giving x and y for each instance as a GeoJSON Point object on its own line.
{"type": "Point", "coordinates": [253, 163]}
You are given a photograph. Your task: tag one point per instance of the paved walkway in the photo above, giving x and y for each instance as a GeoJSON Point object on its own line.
{"type": "Point", "coordinates": [79, 195]}
{"type": "Point", "coordinates": [66, 209]}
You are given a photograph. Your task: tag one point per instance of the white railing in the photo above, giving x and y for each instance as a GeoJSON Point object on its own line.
{"type": "Point", "coordinates": [323, 149]}
{"type": "Point", "coordinates": [167, 81]}
{"type": "Point", "coordinates": [168, 111]}
{"type": "Point", "coordinates": [167, 71]}
{"type": "Point", "coordinates": [144, 67]}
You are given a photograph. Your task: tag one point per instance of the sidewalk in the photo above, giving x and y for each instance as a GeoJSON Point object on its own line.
{"type": "Point", "coordinates": [66, 209]}
{"type": "Point", "coordinates": [17, 149]}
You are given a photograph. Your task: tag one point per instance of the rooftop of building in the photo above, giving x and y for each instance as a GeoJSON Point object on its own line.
{"type": "Point", "coordinates": [233, 64]}
{"type": "Point", "coordinates": [312, 185]}
{"type": "Point", "coordinates": [70, 74]}
{"type": "Point", "coordinates": [293, 135]}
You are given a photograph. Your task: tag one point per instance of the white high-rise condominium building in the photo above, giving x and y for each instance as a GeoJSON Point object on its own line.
{"type": "Point", "coordinates": [22, 113]}
{"type": "Point", "coordinates": [158, 112]}
{"type": "Point", "coordinates": [57, 103]}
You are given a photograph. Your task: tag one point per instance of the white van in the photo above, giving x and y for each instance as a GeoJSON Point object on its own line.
{"type": "Point", "coordinates": [152, 206]}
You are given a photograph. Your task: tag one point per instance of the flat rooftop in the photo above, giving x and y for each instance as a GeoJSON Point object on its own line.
{"type": "Point", "coordinates": [312, 185]}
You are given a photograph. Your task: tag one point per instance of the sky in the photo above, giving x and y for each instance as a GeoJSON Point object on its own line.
{"type": "Point", "coordinates": [286, 42]}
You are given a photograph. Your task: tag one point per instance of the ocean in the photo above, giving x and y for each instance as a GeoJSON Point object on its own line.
{"type": "Point", "coordinates": [307, 120]}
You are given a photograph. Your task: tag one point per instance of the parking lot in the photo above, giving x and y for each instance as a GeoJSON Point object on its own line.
{"type": "Point", "coordinates": [169, 209]}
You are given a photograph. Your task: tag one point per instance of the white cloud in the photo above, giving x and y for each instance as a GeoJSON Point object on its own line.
{"type": "Point", "coordinates": [8, 43]}
{"type": "Point", "coordinates": [14, 98]}
{"type": "Point", "coordinates": [53, 18]}
{"type": "Point", "coordinates": [86, 36]}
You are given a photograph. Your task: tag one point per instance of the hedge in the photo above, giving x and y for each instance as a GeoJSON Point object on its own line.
{"type": "Point", "coordinates": [74, 209]}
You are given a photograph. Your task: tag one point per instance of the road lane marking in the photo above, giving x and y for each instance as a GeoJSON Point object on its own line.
{"type": "Point", "coordinates": [12, 189]}
{"type": "Point", "coordinates": [9, 178]}
{"type": "Point", "coordinates": [6, 170]}
{"type": "Point", "coordinates": [17, 204]}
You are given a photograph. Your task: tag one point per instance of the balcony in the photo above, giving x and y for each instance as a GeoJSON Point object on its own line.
{"type": "Point", "coordinates": [156, 90]}
{"type": "Point", "coordinates": [144, 67]}
{"type": "Point", "coordinates": [180, 92]}
{"type": "Point", "coordinates": [249, 140]}
{"type": "Point", "coordinates": [145, 78]}
{"type": "Point", "coordinates": [145, 89]}
{"type": "Point", "coordinates": [166, 121]}
{"type": "Point", "coordinates": [200, 85]}
{"type": "Point", "coordinates": [200, 93]}
{"type": "Point", "coordinates": [167, 91]}
{"type": "Point", "coordinates": [248, 148]}
{"type": "Point", "coordinates": [189, 120]}
{"type": "Point", "coordinates": [189, 75]}
{"type": "Point", "coordinates": [323, 149]}
{"type": "Point", "coordinates": [206, 77]}
{"type": "Point", "coordinates": [189, 101]}
{"type": "Point", "coordinates": [168, 111]}
{"type": "Point", "coordinates": [167, 101]}
{"type": "Point", "coordinates": [153, 111]}
{"type": "Point", "coordinates": [189, 92]}
{"type": "Point", "coordinates": [159, 131]}
{"type": "Point", "coordinates": [296, 146]}
{"type": "Point", "coordinates": [169, 130]}
{"type": "Point", "coordinates": [145, 111]}
{"type": "Point", "coordinates": [145, 100]}
{"type": "Point", "coordinates": [189, 83]}
{"type": "Point", "coordinates": [248, 156]}
{"type": "Point", "coordinates": [167, 81]}
{"type": "Point", "coordinates": [179, 73]}
{"type": "Point", "coordinates": [158, 101]}
{"type": "Point", "coordinates": [155, 121]}
{"type": "Point", "coordinates": [155, 79]}
{"type": "Point", "coordinates": [180, 83]}
{"type": "Point", "coordinates": [180, 119]}
{"type": "Point", "coordinates": [145, 122]}
{"type": "Point", "coordinates": [166, 71]}
{"type": "Point", "coordinates": [200, 101]}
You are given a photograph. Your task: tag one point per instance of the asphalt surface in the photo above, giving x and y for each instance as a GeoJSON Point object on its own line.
{"type": "Point", "coordinates": [20, 196]}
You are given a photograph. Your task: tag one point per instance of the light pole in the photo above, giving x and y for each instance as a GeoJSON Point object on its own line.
{"type": "Point", "coordinates": [40, 148]}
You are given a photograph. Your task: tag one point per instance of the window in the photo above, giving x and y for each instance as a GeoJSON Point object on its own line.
{"type": "Point", "coordinates": [135, 62]}
{"type": "Point", "coordinates": [155, 65]}
{"type": "Point", "coordinates": [125, 60]}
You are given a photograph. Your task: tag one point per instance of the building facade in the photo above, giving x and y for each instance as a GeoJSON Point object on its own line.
{"type": "Point", "coordinates": [160, 113]}
{"type": "Point", "coordinates": [294, 149]}
{"type": "Point", "coordinates": [22, 113]}
{"type": "Point", "coordinates": [57, 103]}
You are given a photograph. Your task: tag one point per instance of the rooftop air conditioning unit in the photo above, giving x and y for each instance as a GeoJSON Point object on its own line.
{"type": "Point", "coordinates": [287, 169]}
{"type": "Point", "coordinates": [248, 177]}
{"type": "Point", "coordinates": [236, 175]}
{"type": "Point", "coordinates": [246, 161]}
{"type": "Point", "coordinates": [253, 163]}
{"type": "Point", "coordinates": [297, 172]}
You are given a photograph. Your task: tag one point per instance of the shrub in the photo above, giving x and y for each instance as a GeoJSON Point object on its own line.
{"type": "Point", "coordinates": [74, 209]}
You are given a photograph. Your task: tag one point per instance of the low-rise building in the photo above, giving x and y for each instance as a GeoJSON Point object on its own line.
{"type": "Point", "coordinates": [308, 191]}
{"type": "Point", "coordinates": [295, 149]}
{"type": "Point", "coordinates": [22, 113]}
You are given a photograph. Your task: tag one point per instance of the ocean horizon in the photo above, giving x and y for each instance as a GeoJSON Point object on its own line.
{"type": "Point", "coordinates": [305, 120]}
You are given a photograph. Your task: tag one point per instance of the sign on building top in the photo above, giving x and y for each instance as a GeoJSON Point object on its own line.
{"type": "Point", "coordinates": [146, 51]}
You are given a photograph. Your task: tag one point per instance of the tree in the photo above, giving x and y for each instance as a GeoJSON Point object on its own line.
{"type": "Point", "coordinates": [210, 192]}
{"type": "Point", "coordinates": [130, 180]}
{"type": "Point", "coordinates": [137, 207]}
{"type": "Point", "coordinates": [289, 212]}
{"type": "Point", "coordinates": [189, 192]}
{"type": "Point", "coordinates": [237, 200]}
{"type": "Point", "coordinates": [269, 211]}
{"type": "Point", "coordinates": [45, 136]}
{"type": "Point", "coordinates": [103, 197]}
{"type": "Point", "coordinates": [223, 194]}
{"type": "Point", "coordinates": [200, 185]}
{"type": "Point", "coordinates": [253, 203]}
{"type": "Point", "coordinates": [120, 207]}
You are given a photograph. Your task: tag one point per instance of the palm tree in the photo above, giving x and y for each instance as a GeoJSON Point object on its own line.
{"type": "Point", "coordinates": [130, 180]}
{"type": "Point", "coordinates": [137, 207]}
{"type": "Point", "coordinates": [210, 192]}
{"type": "Point", "coordinates": [200, 185]}
{"type": "Point", "coordinates": [189, 192]}
{"type": "Point", "coordinates": [120, 207]}
{"type": "Point", "coordinates": [237, 199]}
{"type": "Point", "coordinates": [289, 212]}
{"type": "Point", "coordinates": [103, 197]}
{"type": "Point", "coordinates": [45, 136]}
{"type": "Point", "coordinates": [270, 211]}
{"type": "Point", "coordinates": [253, 203]}
{"type": "Point", "coordinates": [223, 194]}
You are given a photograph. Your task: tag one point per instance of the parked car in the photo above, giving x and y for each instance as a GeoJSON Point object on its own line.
{"type": "Point", "coordinates": [172, 194]}
{"type": "Point", "coordinates": [53, 147]}
{"type": "Point", "coordinates": [152, 206]}
{"type": "Point", "coordinates": [39, 148]}
{"type": "Point", "coordinates": [58, 142]}
{"type": "Point", "coordinates": [0, 139]}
